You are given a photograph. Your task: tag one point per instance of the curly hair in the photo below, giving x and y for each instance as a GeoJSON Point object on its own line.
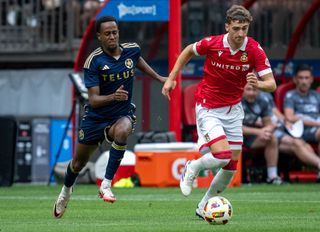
{"type": "Point", "coordinates": [238, 13]}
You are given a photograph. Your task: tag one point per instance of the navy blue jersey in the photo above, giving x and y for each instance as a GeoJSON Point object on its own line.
{"type": "Point", "coordinates": [109, 73]}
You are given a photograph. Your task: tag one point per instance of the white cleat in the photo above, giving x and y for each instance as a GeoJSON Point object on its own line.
{"type": "Point", "coordinates": [106, 194]}
{"type": "Point", "coordinates": [187, 178]}
{"type": "Point", "coordinates": [60, 205]}
{"type": "Point", "coordinates": [200, 213]}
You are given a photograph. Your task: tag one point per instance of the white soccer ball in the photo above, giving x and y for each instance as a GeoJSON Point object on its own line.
{"type": "Point", "coordinates": [218, 210]}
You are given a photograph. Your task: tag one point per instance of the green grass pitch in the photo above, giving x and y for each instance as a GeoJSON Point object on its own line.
{"type": "Point", "coordinates": [294, 207]}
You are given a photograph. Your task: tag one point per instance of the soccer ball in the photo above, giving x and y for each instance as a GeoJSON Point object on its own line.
{"type": "Point", "coordinates": [217, 210]}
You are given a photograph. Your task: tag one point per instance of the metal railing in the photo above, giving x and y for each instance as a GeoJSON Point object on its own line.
{"type": "Point", "coordinates": [39, 26]}
{"type": "Point", "coordinates": [273, 26]}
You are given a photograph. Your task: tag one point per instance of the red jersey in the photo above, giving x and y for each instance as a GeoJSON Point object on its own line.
{"type": "Point", "coordinates": [225, 70]}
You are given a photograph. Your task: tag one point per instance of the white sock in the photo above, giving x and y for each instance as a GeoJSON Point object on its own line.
{"type": "Point", "coordinates": [66, 190]}
{"type": "Point", "coordinates": [106, 183]}
{"type": "Point", "coordinates": [207, 161]}
{"type": "Point", "coordinates": [219, 183]}
{"type": "Point", "coordinates": [272, 172]}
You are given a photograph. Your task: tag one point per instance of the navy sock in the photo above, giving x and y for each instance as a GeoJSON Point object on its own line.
{"type": "Point", "coordinates": [115, 156]}
{"type": "Point", "coordinates": [70, 177]}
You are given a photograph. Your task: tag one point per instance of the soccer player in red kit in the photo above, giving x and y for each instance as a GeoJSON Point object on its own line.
{"type": "Point", "coordinates": [230, 63]}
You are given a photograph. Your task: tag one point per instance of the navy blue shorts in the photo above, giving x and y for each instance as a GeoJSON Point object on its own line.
{"type": "Point", "coordinates": [309, 134]}
{"type": "Point", "coordinates": [93, 131]}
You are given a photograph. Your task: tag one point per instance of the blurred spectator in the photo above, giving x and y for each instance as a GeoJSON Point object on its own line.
{"type": "Point", "coordinates": [304, 103]}
{"type": "Point", "coordinates": [54, 20]}
{"type": "Point", "coordinates": [90, 8]}
{"type": "Point", "coordinates": [289, 144]}
{"type": "Point", "coordinates": [259, 133]}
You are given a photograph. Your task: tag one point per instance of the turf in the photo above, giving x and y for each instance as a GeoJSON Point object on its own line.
{"type": "Point", "coordinates": [294, 207]}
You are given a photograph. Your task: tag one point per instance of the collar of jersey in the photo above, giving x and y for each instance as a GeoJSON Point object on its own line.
{"type": "Point", "coordinates": [227, 45]}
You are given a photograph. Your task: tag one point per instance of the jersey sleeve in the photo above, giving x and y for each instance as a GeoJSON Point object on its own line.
{"type": "Point", "coordinates": [91, 74]}
{"type": "Point", "coordinates": [288, 100]}
{"type": "Point", "coordinates": [200, 48]}
{"type": "Point", "coordinates": [137, 53]}
{"type": "Point", "coordinates": [269, 98]}
{"type": "Point", "coordinates": [262, 64]}
{"type": "Point", "coordinates": [266, 108]}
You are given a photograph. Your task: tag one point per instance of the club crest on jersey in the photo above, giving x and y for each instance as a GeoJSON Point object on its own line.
{"type": "Point", "coordinates": [244, 57]}
{"type": "Point", "coordinates": [128, 63]}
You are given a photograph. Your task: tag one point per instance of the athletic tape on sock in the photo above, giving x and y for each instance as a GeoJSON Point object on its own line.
{"type": "Point", "coordinates": [222, 154]}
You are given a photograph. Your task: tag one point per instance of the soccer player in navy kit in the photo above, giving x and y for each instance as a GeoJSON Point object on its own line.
{"type": "Point", "coordinates": [108, 74]}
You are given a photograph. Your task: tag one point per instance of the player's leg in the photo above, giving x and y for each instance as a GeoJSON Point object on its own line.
{"type": "Point", "coordinates": [271, 154]}
{"type": "Point", "coordinates": [220, 182]}
{"type": "Point", "coordinates": [80, 159]}
{"type": "Point", "coordinates": [118, 133]}
{"type": "Point", "coordinates": [301, 149]}
{"type": "Point", "coordinates": [312, 135]}
{"type": "Point", "coordinates": [212, 139]}
{"type": "Point", "coordinates": [232, 125]}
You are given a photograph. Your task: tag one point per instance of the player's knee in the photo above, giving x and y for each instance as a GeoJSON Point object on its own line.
{"type": "Point", "coordinates": [273, 141]}
{"type": "Point", "coordinates": [78, 165]}
{"type": "Point", "coordinates": [223, 157]}
{"type": "Point", "coordinates": [298, 143]}
{"type": "Point", "coordinates": [231, 165]}
{"type": "Point", "coordinates": [222, 154]}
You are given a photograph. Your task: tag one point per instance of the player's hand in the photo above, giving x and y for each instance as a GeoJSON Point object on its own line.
{"type": "Point", "coordinates": [162, 79]}
{"type": "Point", "coordinates": [252, 80]}
{"type": "Point", "coordinates": [266, 133]}
{"type": "Point", "coordinates": [288, 124]}
{"type": "Point", "coordinates": [121, 94]}
{"type": "Point", "coordinates": [168, 86]}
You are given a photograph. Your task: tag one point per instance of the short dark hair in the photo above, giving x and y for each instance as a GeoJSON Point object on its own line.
{"type": "Point", "coordinates": [303, 67]}
{"type": "Point", "coordinates": [104, 19]}
{"type": "Point", "coordinates": [238, 13]}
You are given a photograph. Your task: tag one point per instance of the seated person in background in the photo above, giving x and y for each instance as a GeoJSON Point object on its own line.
{"type": "Point", "coordinates": [259, 133]}
{"type": "Point", "coordinates": [289, 144]}
{"type": "Point", "coordinates": [303, 103]}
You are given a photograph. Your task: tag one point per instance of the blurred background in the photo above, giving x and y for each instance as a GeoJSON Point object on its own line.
{"type": "Point", "coordinates": [39, 45]}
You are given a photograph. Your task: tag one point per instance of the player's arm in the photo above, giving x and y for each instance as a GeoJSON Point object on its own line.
{"type": "Point", "coordinates": [266, 83]}
{"type": "Point", "coordinates": [248, 130]}
{"type": "Point", "coordinates": [96, 100]}
{"type": "Point", "coordinates": [182, 60]}
{"type": "Point", "coordinates": [292, 117]}
{"type": "Point", "coordinates": [278, 114]}
{"type": "Point", "coordinates": [144, 67]}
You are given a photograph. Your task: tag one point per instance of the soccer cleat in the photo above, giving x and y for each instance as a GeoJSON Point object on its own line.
{"type": "Point", "coordinates": [200, 213]}
{"type": "Point", "coordinates": [106, 194]}
{"type": "Point", "coordinates": [187, 179]}
{"type": "Point", "coordinates": [275, 181]}
{"type": "Point", "coordinates": [60, 205]}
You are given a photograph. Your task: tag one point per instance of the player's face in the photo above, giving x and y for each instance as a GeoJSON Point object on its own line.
{"type": "Point", "coordinates": [237, 32]}
{"type": "Point", "coordinates": [109, 35]}
{"type": "Point", "coordinates": [250, 93]}
{"type": "Point", "coordinates": [303, 81]}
